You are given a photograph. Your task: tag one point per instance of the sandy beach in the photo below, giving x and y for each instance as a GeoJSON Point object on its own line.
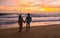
{"type": "Point", "coordinates": [48, 31]}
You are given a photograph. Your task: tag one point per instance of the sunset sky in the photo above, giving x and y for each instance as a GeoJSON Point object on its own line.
{"type": "Point", "coordinates": [30, 5]}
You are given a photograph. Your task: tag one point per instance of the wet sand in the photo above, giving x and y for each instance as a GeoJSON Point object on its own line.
{"type": "Point", "coordinates": [48, 31]}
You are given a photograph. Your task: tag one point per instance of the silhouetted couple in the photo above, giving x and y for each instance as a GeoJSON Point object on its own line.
{"type": "Point", "coordinates": [27, 21]}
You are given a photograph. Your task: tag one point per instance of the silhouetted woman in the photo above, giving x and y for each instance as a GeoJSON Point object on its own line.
{"type": "Point", "coordinates": [28, 20]}
{"type": "Point", "coordinates": [20, 22]}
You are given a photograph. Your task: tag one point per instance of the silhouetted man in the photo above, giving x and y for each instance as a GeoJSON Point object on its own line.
{"type": "Point", "coordinates": [28, 20]}
{"type": "Point", "coordinates": [20, 22]}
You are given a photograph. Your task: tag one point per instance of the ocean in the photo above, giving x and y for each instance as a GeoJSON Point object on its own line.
{"type": "Point", "coordinates": [9, 21]}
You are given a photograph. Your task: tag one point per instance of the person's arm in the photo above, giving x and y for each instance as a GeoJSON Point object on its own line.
{"type": "Point", "coordinates": [22, 20]}
{"type": "Point", "coordinates": [25, 19]}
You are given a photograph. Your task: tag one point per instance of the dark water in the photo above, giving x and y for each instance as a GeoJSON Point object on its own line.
{"type": "Point", "coordinates": [12, 19]}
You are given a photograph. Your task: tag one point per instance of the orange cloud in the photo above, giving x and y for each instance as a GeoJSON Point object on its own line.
{"type": "Point", "coordinates": [29, 5]}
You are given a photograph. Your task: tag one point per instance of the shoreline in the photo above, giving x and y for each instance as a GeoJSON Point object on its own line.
{"type": "Point", "coordinates": [48, 31]}
{"type": "Point", "coordinates": [32, 24]}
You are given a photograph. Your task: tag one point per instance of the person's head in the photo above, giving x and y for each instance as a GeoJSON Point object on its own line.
{"type": "Point", "coordinates": [20, 16]}
{"type": "Point", "coordinates": [28, 14]}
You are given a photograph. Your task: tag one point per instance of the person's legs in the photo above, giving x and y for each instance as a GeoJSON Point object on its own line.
{"type": "Point", "coordinates": [20, 27]}
{"type": "Point", "coordinates": [27, 27]}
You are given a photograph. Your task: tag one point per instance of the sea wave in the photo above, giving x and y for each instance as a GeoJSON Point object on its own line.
{"type": "Point", "coordinates": [12, 19]}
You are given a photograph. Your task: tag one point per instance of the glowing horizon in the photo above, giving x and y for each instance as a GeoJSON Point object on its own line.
{"type": "Point", "coordinates": [30, 5]}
